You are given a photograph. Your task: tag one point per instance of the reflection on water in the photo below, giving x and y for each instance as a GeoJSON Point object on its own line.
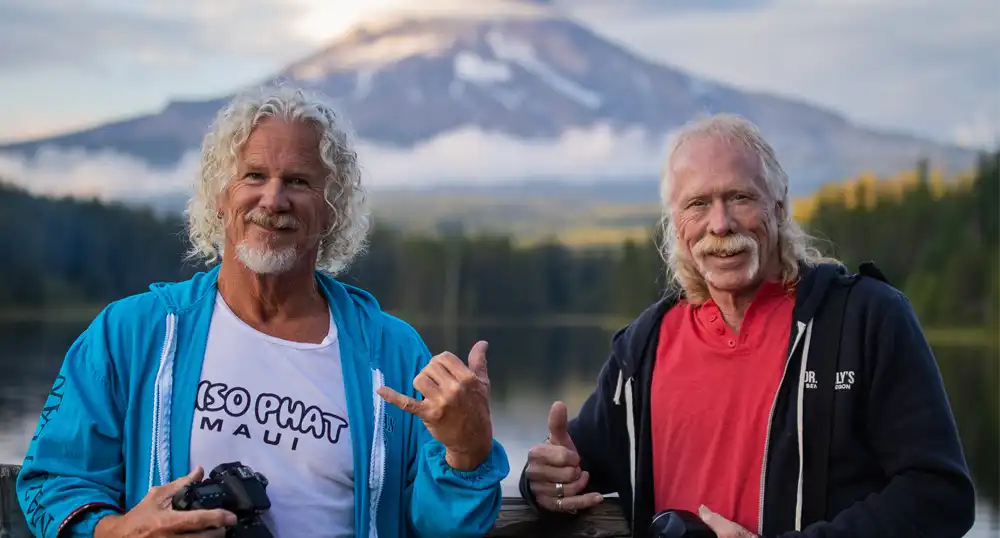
{"type": "Point", "coordinates": [529, 367]}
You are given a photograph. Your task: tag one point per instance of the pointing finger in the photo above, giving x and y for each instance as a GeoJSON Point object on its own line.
{"type": "Point", "coordinates": [477, 360]}
{"type": "Point", "coordinates": [405, 403]}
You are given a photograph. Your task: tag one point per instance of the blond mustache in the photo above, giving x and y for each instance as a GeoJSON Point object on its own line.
{"type": "Point", "coordinates": [278, 222]}
{"type": "Point", "coordinates": [725, 246]}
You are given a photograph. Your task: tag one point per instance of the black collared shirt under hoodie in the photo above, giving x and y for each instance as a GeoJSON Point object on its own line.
{"type": "Point", "coordinates": [881, 455]}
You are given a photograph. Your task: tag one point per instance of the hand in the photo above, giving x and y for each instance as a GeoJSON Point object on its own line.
{"type": "Point", "coordinates": [154, 517]}
{"type": "Point", "coordinates": [722, 527]}
{"type": "Point", "coordinates": [456, 406]}
{"type": "Point", "coordinates": [556, 463]}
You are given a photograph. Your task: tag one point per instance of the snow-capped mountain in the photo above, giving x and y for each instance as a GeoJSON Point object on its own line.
{"type": "Point", "coordinates": [518, 79]}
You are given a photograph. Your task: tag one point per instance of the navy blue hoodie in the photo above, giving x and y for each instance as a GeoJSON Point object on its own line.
{"type": "Point", "coordinates": [880, 453]}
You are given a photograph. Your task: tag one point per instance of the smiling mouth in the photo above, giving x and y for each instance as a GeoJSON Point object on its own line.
{"type": "Point", "coordinates": [274, 229]}
{"type": "Point", "coordinates": [727, 254]}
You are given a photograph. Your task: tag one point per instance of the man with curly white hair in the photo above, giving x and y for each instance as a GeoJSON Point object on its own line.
{"type": "Point", "coordinates": [771, 392]}
{"type": "Point", "coordinates": [267, 360]}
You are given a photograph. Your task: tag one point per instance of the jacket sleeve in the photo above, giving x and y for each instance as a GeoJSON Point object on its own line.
{"type": "Point", "coordinates": [445, 502]}
{"type": "Point", "coordinates": [592, 433]}
{"type": "Point", "coordinates": [73, 472]}
{"type": "Point", "coordinates": [912, 430]}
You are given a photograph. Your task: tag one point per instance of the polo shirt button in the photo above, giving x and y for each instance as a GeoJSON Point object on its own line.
{"type": "Point", "coordinates": [732, 343]}
{"type": "Point", "coordinates": [721, 331]}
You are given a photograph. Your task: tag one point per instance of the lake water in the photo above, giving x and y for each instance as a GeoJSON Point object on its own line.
{"type": "Point", "coordinates": [530, 367]}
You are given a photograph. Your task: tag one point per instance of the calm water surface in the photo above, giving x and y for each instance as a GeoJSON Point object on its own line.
{"type": "Point", "coordinates": [529, 367]}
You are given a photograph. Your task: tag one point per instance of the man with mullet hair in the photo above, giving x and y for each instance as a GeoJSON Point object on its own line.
{"type": "Point", "coordinates": [269, 361]}
{"type": "Point", "coordinates": [769, 393]}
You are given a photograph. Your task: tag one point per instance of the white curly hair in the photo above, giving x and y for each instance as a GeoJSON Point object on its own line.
{"type": "Point", "coordinates": [346, 237]}
{"type": "Point", "coordinates": [795, 246]}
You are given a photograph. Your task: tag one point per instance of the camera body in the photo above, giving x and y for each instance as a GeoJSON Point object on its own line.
{"type": "Point", "coordinates": [678, 524]}
{"type": "Point", "coordinates": [234, 487]}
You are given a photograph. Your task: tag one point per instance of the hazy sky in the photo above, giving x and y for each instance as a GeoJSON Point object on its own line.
{"type": "Point", "coordinates": [925, 66]}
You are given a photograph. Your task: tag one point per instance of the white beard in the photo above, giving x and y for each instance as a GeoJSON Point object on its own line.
{"type": "Point", "coordinates": [266, 261]}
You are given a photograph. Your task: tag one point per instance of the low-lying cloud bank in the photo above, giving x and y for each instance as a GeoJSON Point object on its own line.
{"type": "Point", "coordinates": [468, 156]}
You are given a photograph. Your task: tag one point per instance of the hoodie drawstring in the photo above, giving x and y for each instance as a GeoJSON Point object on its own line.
{"type": "Point", "coordinates": [799, 426]}
{"type": "Point", "coordinates": [630, 424]}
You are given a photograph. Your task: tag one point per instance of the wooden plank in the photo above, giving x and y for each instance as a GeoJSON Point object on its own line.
{"type": "Point", "coordinates": [516, 517]}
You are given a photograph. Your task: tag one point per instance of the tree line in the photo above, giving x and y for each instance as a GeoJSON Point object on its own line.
{"type": "Point", "coordinates": [935, 239]}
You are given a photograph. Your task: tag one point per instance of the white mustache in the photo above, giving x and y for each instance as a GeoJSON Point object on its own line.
{"type": "Point", "coordinates": [278, 222]}
{"type": "Point", "coordinates": [724, 246]}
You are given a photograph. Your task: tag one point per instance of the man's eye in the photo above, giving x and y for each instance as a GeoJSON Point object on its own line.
{"type": "Point", "coordinates": [254, 175]}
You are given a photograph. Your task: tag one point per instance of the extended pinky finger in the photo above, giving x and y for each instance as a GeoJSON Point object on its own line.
{"type": "Point", "coordinates": [405, 403]}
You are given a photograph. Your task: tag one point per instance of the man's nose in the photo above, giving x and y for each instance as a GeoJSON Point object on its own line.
{"type": "Point", "coordinates": [275, 196]}
{"type": "Point", "coordinates": [720, 223]}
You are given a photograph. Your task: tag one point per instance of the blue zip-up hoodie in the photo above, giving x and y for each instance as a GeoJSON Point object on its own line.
{"type": "Point", "coordinates": [118, 419]}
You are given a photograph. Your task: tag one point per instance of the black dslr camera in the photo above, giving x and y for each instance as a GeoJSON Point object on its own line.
{"type": "Point", "coordinates": [679, 524]}
{"type": "Point", "coordinates": [233, 487]}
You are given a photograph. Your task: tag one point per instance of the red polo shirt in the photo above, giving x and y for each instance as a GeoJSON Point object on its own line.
{"type": "Point", "coordinates": [712, 392]}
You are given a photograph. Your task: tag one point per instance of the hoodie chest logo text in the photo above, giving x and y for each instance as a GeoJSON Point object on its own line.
{"type": "Point", "coordinates": [277, 414]}
{"type": "Point", "coordinates": [843, 381]}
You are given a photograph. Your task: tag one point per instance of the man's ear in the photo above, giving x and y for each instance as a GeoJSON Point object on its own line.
{"type": "Point", "coordinates": [220, 201]}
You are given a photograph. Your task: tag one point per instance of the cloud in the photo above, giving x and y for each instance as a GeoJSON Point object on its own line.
{"type": "Point", "coordinates": [467, 156]}
{"type": "Point", "coordinates": [472, 156]}
{"type": "Point", "coordinates": [105, 176]}
{"type": "Point", "coordinates": [34, 35]}
{"type": "Point", "coordinates": [921, 65]}
{"type": "Point", "coordinates": [660, 7]}
{"type": "Point", "coordinates": [83, 34]}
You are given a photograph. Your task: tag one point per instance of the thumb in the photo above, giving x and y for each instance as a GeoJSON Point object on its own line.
{"type": "Point", "coordinates": [410, 405]}
{"type": "Point", "coordinates": [706, 515]}
{"type": "Point", "coordinates": [720, 525]}
{"type": "Point", "coordinates": [477, 359]}
{"type": "Point", "coordinates": [558, 426]}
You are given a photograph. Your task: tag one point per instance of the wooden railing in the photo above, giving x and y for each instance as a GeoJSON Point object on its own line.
{"type": "Point", "coordinates": [516, 518]}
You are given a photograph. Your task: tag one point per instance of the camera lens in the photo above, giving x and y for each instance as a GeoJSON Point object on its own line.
{"type": "Point", "coordinates": [678, 524]}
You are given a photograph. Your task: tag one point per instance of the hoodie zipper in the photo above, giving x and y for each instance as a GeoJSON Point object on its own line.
{"type": "Point", "coordinates": [162, 371]}
{"type": "Point", "coordinates": [767, 436]}
{"type": "Point", "coordinates": [377, 474]}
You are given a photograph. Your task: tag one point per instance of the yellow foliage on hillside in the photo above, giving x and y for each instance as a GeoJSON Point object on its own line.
{"type": "Point", "coordinates": [866, 189]}
{"type": "Point", "coordinates": [590, 236]}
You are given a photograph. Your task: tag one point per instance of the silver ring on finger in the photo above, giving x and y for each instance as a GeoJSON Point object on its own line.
{"type": "Point", "coordinates": [559, 490]}
{"type": "Point", "coordinates": [559, 504]}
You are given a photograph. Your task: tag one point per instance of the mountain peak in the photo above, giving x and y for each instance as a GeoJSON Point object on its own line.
{"type": "Point", "coordinates": [402, 32]}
